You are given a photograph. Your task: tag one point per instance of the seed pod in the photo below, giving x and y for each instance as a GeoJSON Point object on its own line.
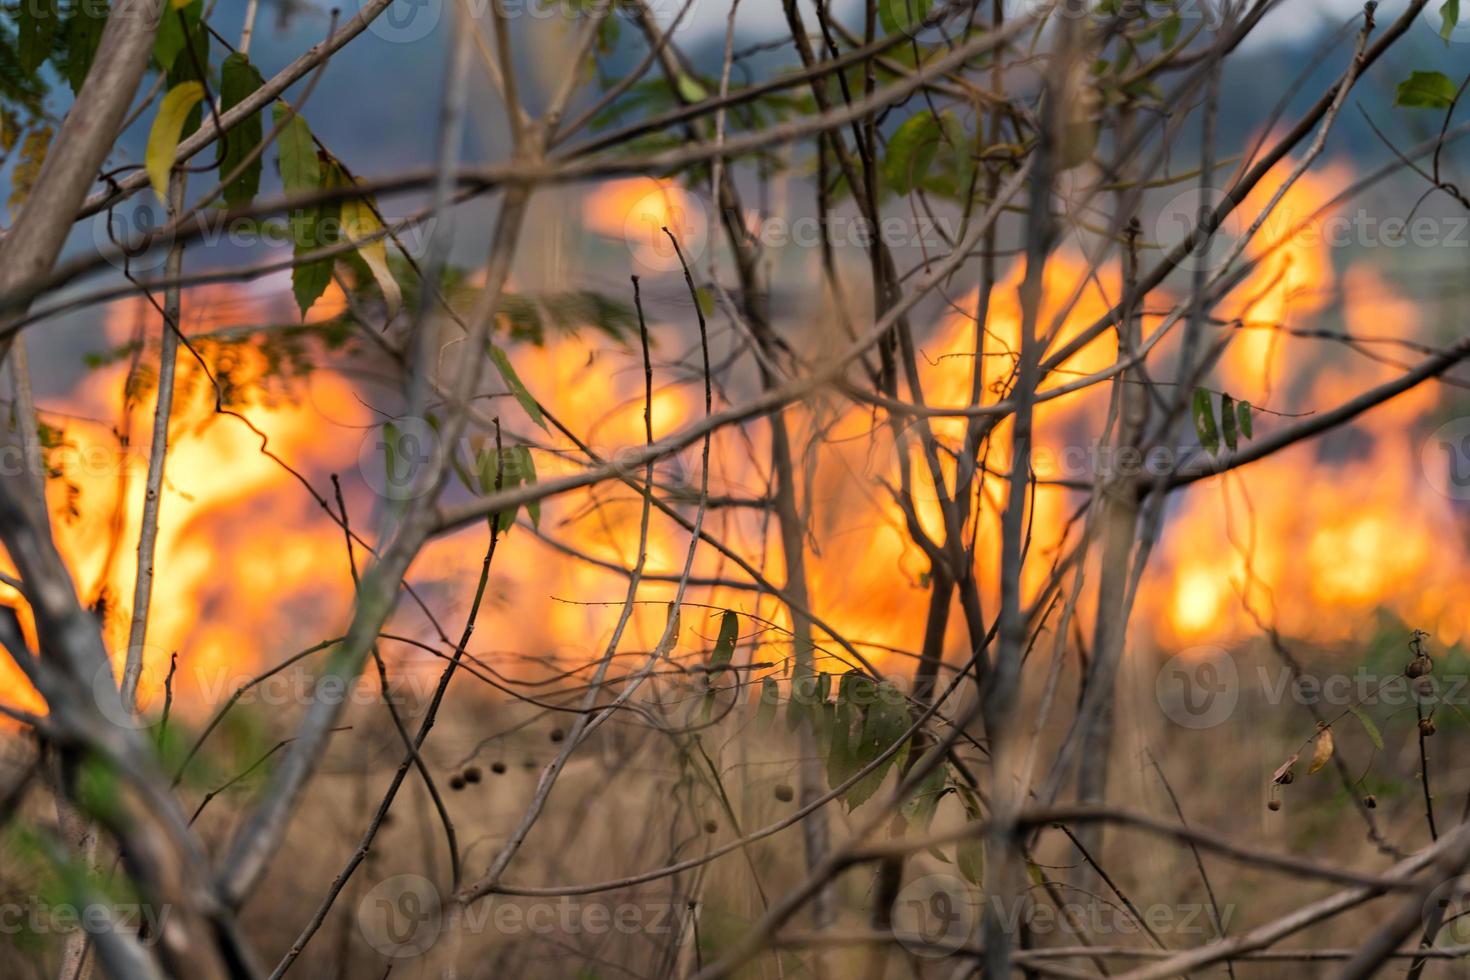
{"type": "Point", "coordinates": [1426, 727]}
{"type": "Point", "coordinates": [557, 735]}
{"type": "Point", "coordinates": [1370, 801]}
{"type": "Point", "coordinates": [1287, 778]}
{"type": "Point", "coordinates": [784, 793]}
{"type": "Point", "coordinates": [472, 774]}
{"type": "Point", "coordinates": [1273, 804]}
{"type": "Point", "coordinates": [497, 767]}
{"type": "Point", "coordinates": [456, 783]}
{"type": "Point", "coordinates": [710, 827]}
{"type": "Point", "coordinates": [1419, 666]}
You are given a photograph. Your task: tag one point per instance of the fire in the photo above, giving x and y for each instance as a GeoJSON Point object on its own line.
{"type": "Point", "coordinates": [1318, 537]}
{"type": "Point", "coordinates": [238, 545]}
{"type": "Point", "coordinates": [249, 569]}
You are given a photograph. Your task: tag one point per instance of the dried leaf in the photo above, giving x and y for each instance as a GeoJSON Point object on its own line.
{"type": "Point", "coordinates": [32, 156]}
{"type": "Point", "coordinates": [1322, 754]}
{"type": "Point", "coordinates": [360, 225]}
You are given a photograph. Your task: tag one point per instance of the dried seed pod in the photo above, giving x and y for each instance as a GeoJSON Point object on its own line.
{"type": "Point", "coordinates": [784, 792]}
{"type": "Point", "coordinates": [1426, 726]}
{"type": "Point", "coordinates": [1419, 666]}
{"type": "Point", "coordinates": [472, 774]}
{"type": "Point", "coordinates": [1273, 804]}
{"type": "Point", "coordinates": [1287, 778]}
{"type": "Point", "coordinates": [710, 827]}
{"type": "Point", "coordinates": [456, 783]}
{"type": "Point", "coordinates": [1370, 801]}
{"type": "Point", "coordinates": [497, 767]}
{"type": "Point", "coordinates": [557, 735]}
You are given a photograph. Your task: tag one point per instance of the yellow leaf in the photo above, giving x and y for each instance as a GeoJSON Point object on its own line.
{"type": "Point", "coordinates": [163, 138]}
{"type": "Point", "coordinates": [360, 223]}
{"type": "Point", "coordinates": [1322, 754]}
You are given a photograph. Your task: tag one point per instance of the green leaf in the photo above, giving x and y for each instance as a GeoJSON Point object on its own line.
{"type": "Point", "coordinates": [1228, 422]}
{"type": "Point", "coordinates": [706, 301]}
{"type": "Point", "coordinates": [970, 859]}
{"type": "Point", "coordinates": [238, 80]}
{"type": "Point", "coordinates": [1374, 735]}
{"type": "Point", "coordinates": [840, 763]}
{"type": "Point", "coordinates": [1426, 90]}
{"type": "Point", "coordinates": [36, 22]}
{"type": "Point", "coordinates": [970, 853]}
{"type": "Point", "coordinates": [311, 225]}
{"type": "Point", "coordinates": [527, 467]}
{"type": "Point", "coordinates": [169, 43]}
{"type": "Point", "coordinates": [500, 471]}
{"type": "Point", "coordinates": [899, 16]}
{"type": "Point", "coordinates": [824, 719]}
{"type": "Point", "coordinates": [690, 89]}
{"type": "Point", "coordinates": [163, 138]}
{"type": "Point", "coordinates": [796, 705]}
{"type": "Point", "coordinates": [911, 150]}
{"type": "Point", "coordinates": [83, 32]}
{"type": "Point", "coordinates": [885, 721]}
{"type": "Point", "coordinates": [918, 810]}
{"type": "Point", "coordinates": [1449, 13]}
{"type": "Point", "coordinates": [516, 386]}
{"type": "Point", "coordinates": [720, 657]}
{"type": "Point", "coordinates": [1204, 422]}
{"type": "Point", "coordinates": [1169, 33]}
{"type": "Point", "coordinates": [725, 643]}
{"type": "Point", "coordinates": [309, 280]}
{"type": "Point", "coordinates": [765, 712]}
{"type": "Point", "coordinates": [1243, 409]}
{"type": "Point", "coordinates": [301, 170]}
